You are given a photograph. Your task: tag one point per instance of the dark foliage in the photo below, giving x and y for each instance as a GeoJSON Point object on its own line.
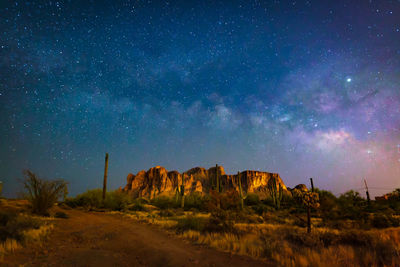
{"type": "Point", "coordinates": [12, 225]}
{"type": "Point", "coordinates": [220, 221]}
{"type": "Point", "coordinates": [42, 194]}
{"type": "Point", "coordinates": [191, 222]}
{"type": "Point", "coordinates": [252, 199]}
{"type": "Point", "coordinates": [61, 215]}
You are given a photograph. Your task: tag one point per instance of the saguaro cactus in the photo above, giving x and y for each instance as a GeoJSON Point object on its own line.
{"type": "Point", "coordinates": [217, 178]}
{"type": "Point", "coordinates": [275, 192]}
{"type": "Point", "coordinates": [309, 200]}
{"type": "Point", "coordinates": [183, 192]}
{"type": "Point", "coordinates": [105, 177]}
{"type": "Point", "coordinates": [240, 190]}
{"type": "Point", "coordinates": [177, 193]}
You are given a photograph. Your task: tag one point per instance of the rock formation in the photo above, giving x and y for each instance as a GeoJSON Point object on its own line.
{"type": "Point", "coordinates": [158, 181]}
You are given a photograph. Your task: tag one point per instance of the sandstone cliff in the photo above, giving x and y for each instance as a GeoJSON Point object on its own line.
{"type": "Point", "coordinates": [158, 181]}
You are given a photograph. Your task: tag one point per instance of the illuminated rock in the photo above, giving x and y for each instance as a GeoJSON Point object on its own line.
{"type": "Point", "coordinates": [157, 181]}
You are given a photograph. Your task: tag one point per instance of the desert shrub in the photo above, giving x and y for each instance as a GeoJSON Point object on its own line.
{"type": "Point", "coordinates": [351, 205]}
{"type": "Point", "coordinates": [261, 208]}
{"type": "Point", "coordinates": [163, 202]}
{"type": "Point", "coordinates": [304, 239]}
{"type": "Point", "coordinates": [245, 216]}
{"type": "Point", "coordinates": [252, 199]}
{"type": "Point", "coordinates": [42, 194]}
{"type": "Point", "coordinates": [93, 199]}
{"type": "Point", "coordinates": [268, 201]}
{"type": "Point", "coordinates": [136, 206]}
{"type": "Point", "coordinates": [12, 225]}
{"type": "Point", "coordinates": [61, 215]}
{"type": "Point", "coordinates": [228, 200]}
{"type": "Point", "coordinates": [191, 222]}
{"type": "Point", "coordinates": [89, 199]}
{"type": "Point", "coordinates": [220, 221]}
{"type": "Point", "coordinates": [117, 200]}
{"type": "Point", "coordinates": [328, 204]}
{"type": "Point", "coordinates": [381, 220]}
{"type": "Point", "coordinates": [166, 213]}
{"type": "Point", "coordinates": [142, 200]}
{"type": "Point", "coordinates": [195, 201]}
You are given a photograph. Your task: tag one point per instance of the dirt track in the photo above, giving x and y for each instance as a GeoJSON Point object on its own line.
{"type": "Point", "coordinates": [98, 239]}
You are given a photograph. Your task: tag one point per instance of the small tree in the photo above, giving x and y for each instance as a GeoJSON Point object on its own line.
{"type": "Point", "coordinates": [41, 193]}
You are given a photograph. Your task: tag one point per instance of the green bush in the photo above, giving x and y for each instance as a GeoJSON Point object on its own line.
{"type": "Point", "coordinates": [195, 201]}
{"type": "Point", "coordinates": [262, 208]}
{"type": "Point", "coordinates": [42, 194]}
{"type": "Point", "coordinates": [89, 199]}
{"type": "Point", "coordinates": [93, 199]}
{"type": "Point", "coordinates": [136, 206]}
{"type": "Point", "coordinates": [252, 199]}
{"type": "Point", "coordinates": [117, 200]}
{"type": "Point", "coordinates": [164, 202]}
{"type": "Point", "coordinates": [191, 222]}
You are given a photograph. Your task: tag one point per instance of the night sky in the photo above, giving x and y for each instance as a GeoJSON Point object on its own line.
{"type": "Point", "coordinates": [302, 88]}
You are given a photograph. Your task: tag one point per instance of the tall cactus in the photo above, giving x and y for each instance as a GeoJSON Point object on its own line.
{"type": "Point", "coordinates": [280, 196]}
{"type": "Point", "coordinates": [217, 178]}
{"type": "Point", "coordinates": [105, 177]}
{"type": "Point", "coordinates": [183, 192]}
{"type": "Point", "coordinates": [240, 190]}
{"type": "Point", "coordinates": [275, 192]}
{"type": "Point", "coordinates": [177, 191]}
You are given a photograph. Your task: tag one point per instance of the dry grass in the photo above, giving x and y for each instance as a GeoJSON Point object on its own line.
{"type": "Point", "coordinates": [20, 228]}
{"type": "Point", "coordinates": [270, 242]}
{"type": "Point", "coordinates": [31, 236]}
{"type": "Point", "coordinates": [289, 245]}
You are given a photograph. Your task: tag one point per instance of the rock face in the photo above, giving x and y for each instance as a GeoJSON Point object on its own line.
{"type": "Point", "coordinates": [158, 181]}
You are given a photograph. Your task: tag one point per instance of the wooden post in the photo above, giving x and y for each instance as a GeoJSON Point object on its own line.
{"type": "Point", "coordinates": [366, 188]}
{"type": "Point", "coordinates": [312, 185]}
{"type": "Point", "coordinates": [105, 177]}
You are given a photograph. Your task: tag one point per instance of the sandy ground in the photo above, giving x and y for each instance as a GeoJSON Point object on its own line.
{"type": "Point", "coordinates": [100, 239]}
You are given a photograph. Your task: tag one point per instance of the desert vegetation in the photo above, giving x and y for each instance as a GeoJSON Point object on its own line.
{"type": "Point", "coordinates": [19, 227]}
{"type": "Point", "coordinates": [42, 194]}
{"type": "Point", "coordinates": [26, 221]}
{"type": "Point", "coordinates": [293, 227]}
{"type": "Point", "coordinates": [299, 229]}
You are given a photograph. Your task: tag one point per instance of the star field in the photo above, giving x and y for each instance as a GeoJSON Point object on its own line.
{"type": "Point", "coordinates": [302, 88]}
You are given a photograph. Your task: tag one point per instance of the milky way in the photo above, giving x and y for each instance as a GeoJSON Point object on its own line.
{"type": "Point", "coordinates": [302, 88]}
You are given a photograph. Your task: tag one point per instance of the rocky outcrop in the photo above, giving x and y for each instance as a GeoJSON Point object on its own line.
{"type": "Point", "coordinates": [158, 181]}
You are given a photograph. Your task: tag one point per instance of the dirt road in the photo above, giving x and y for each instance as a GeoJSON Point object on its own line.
{"type": "Point", "coordinates": [99, 239]}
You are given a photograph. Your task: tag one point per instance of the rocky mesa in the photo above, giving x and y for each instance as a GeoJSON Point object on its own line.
{"type": "Point", "coordinates": [158, 181]}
